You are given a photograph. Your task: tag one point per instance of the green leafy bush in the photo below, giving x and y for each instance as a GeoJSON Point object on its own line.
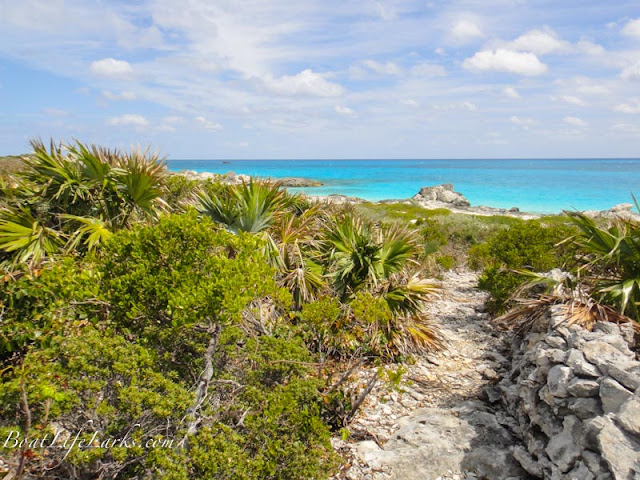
{"type": "Point", "coordinates": [43, 303]}
{"type": "Point", "coordinates": [525, 246]}
{"type": "Point", "coordinates": [184, 341]}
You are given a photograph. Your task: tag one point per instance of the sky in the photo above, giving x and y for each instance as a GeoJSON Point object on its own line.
{"type": "Point", "coordinates": [260, 79]}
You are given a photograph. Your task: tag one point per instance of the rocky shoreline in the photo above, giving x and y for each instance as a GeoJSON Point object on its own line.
{"type": "Point", "coordinates": [232, 178]}
{"type": "Point", "coordinates": [431, 198]}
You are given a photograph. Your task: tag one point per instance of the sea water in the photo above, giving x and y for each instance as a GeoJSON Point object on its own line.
{"type": "Point", "coordinates": [544, 186]}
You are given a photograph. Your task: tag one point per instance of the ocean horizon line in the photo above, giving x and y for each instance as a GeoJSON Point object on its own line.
{"type": "Point", "coordinates": [392, 159]}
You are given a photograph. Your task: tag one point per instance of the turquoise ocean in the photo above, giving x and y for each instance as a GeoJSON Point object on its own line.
{"type": "Point", "coordinates": [543, 186]}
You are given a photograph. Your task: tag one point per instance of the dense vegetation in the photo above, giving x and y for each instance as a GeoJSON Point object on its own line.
{"type": "Point", "coordinates": [187, 329]}
{"type": "Point", "coordinates": [173, 328]}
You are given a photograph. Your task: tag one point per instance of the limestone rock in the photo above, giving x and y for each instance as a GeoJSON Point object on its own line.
{"type": "Point", "coordinates": [605, 355]}
{"type": "Point", "coordinates": [434, 440]}
{"type": "Point", "coordinates": [613, 395]}
{"type": "Point", "coordinates": [629, 377]}
{"type": "Point", "coordinates": [370, 452]}
{"type": "Point", "coordinates": [441, 193]}
{"type": "Point", "coordinates": [580, 366]}
{"type": "Point", "coordinates": [558, 380]}
{"type": "Point", "coordinates": [562, 448]}
{"type": "Point", "coordinates": [581, 472]}
{"type": "Point", "coordinates": [583, 388]}
{"type": "Point", "coordinates": [619, 452]}
{"type": "Point", "coordinates": [629, 415]}
{"type": "Point", "coordinates": [584, 407]}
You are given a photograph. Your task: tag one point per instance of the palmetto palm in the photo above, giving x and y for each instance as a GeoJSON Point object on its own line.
{"type": "Point", "coordinates": [290, 245]}
{"type": "Point", "coordinates": [361, 256]}
{"type": "Point", "coordinates": [606, 288]}
{"type": "Point", "coordinates": [611, 264]}
{"type": "Point", "coordinates": [80, 195]}
{"type": "Point", "coordinates": [25, 238]}
{"type": "Point", "coordinates": [248, 207]}
{"type": "Point", "coordinates": [359, 253]}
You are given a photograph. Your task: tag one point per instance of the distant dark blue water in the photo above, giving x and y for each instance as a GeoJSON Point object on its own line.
{"type": "Point", "coordinates": [544, 186]}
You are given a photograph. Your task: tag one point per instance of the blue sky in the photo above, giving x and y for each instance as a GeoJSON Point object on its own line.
{"type": "Point", "coordinates": [324, 79]}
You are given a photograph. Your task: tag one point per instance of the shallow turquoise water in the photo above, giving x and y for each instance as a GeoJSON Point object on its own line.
{"type": "Point", "coordinates": [545, 186]}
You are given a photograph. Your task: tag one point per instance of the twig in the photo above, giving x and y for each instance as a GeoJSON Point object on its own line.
{"type": "Point", "coordinates": [370, 386]}
{"type": "Point", "coordinates": [346, 375]}
{"type": "Point", "coordinates": [203, 382]}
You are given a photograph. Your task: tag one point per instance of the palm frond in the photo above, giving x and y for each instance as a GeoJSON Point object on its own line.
{"type": "Point", "coordinates": [26, 238]}
{"type": "Point", "coordinates": [92, 233]}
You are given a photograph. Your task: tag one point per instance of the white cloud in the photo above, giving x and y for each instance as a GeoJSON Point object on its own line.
{"type": "Point", "coordinates": [425, 69]}
{"type": "Point", "coordinates": [305, 83]}
{"type": "Point", "coordinates": [410, 102]}
{"type": "Point", "coordinates": [523, 121]}
{"type": "Point", "coordinates": [570, 99]}
{"type": "Point", "coordinates": [439, 51]}
{"type": "Point", "coordinates": [511, 92]}
{"type": "Point", "coordinates": [465, 31]}
{"type": "Point", "coordinates": [626, 128]}
{"type": "Point", "coordinates": [632, 107]}
{"type": "Point", "coordinates": [590, 48]}
{"type": "Point", "coordinates": [632, 72]}
{"type": "Point", "coordinates": [632, 28]}
{"type": "Point", "coordinates": [388, 68]}
{"type": "Point", "coordinates": [346, 111]}
{"type": "Point", "coordinates": [470, 106]}
{"type": "Point", "coordinates": [575, 121]}
{"type": "Point", "coordinates": [173, 119]}
{"type": "Point", "coordinates": [541, 42]}
{"type": "Point", "coordinates": [593, 90]}
{"type": "Point", "coordinates": [208, 124]}
{"type": "Point", "coordinates": [502, 60]}
{"type": "Point", "coordinates": [129, 119]}
{"type": "Point", "coordinates": [128, 96]}
{"type": "Point", "coordinates": [112, 68]}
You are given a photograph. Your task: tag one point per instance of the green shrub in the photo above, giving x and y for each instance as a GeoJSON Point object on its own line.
{"type": "Point", "coordinates": [446, 261]}
{"type": "Point", "coordinates": [41, 304]}
{"type": "Point", "coordinates": [171, 324]}
{"type": "Point", "coordinates": [525, 246]}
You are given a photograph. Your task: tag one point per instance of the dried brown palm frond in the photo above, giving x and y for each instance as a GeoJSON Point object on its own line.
{"type": "Point", "coordinates": [415, 334]}
{"type": "Point", "coordinates": [577, 308]}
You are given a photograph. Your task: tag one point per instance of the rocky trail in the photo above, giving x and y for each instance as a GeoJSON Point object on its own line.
{"type": "Point", "coordinates": [443, 422]}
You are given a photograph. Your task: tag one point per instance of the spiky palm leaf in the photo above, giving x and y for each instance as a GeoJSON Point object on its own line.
{"type": "Point", "coordinates": [288, 246]}
{"type": "Point", "coordinates": [359, 253]}
{"type": "Point", "coordinates": [60, 178]}
{"type": "Point", "coordinates": [26, 238]}
{"type": "Point", "coordinates": [574, 308]}
{"type": "Point", "coordinates": [408, 298]}
{"type": "Point", "coordinates": [249, 207]}
{"type": "Point", "coordinates": [612, 263]}
{"type": "Point", "coordinates": [398, 246]}
{"type": "Point", "coordinates": [92, 232]}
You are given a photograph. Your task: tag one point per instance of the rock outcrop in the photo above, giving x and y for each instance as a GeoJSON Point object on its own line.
{"type": "Point", "coordinates": [431, 441]}
{"type": "Point", "coordinates": [232, 178]}
{"type": "Point", "coordinates": [575, 397]}
{"type": "Point", "coordinates": [441, 193]}
{"type": "Point", "coordinates": [298, 182]}
{"type": "Point", "coordinates": [623, 211]}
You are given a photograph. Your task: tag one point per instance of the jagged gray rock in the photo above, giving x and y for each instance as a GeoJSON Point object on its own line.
{"type": "Point", "coordinates": [441, 193]}
{"type": "Point", "coordinates": [613, 395]}
{"type": "Point", "coordinates": [572, 393]}
{"type": "Point", "coordinates": [436, 440]}
{"type": "Point", "coordinates": [629, 415]}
